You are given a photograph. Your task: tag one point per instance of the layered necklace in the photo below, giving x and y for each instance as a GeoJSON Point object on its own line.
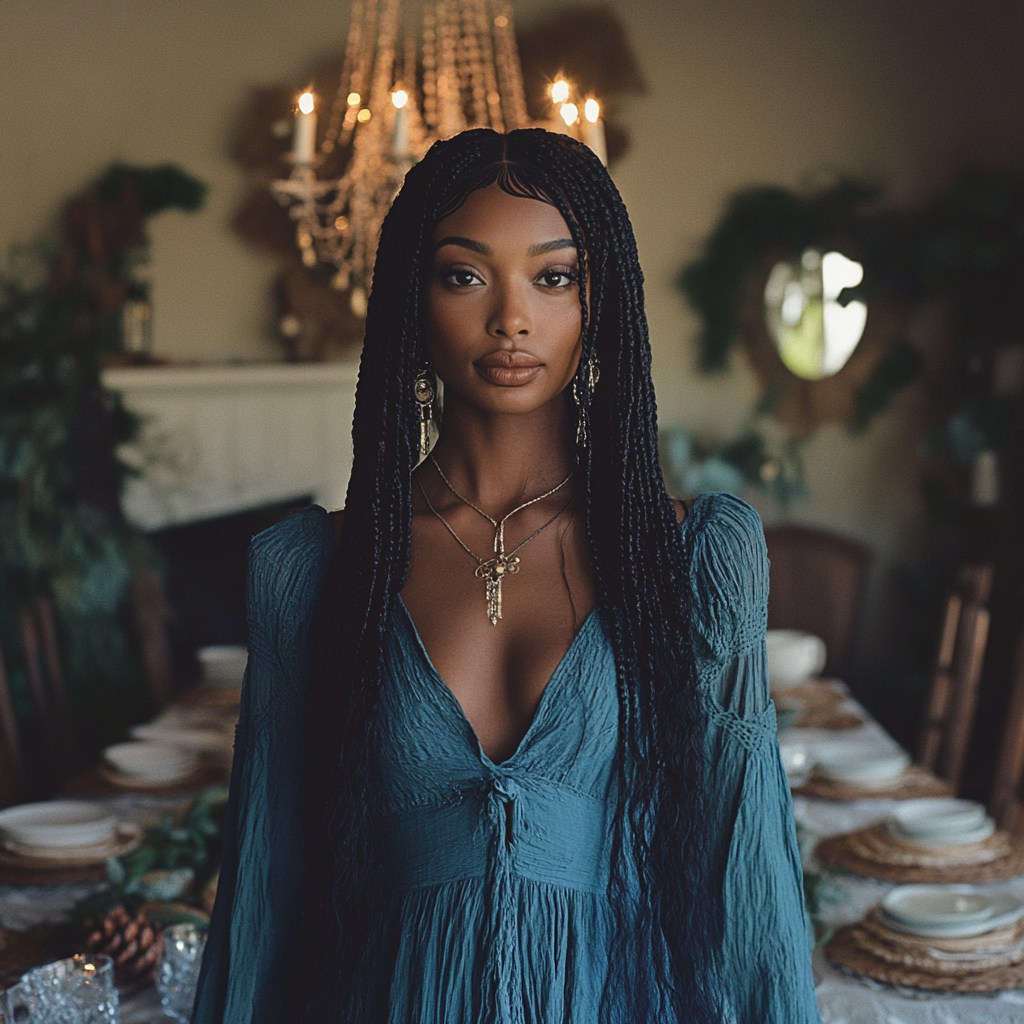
{"type": "Point", "coordinates": [504, 563]}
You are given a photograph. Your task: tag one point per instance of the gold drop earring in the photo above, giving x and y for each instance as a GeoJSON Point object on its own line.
{"type": "Point", "coordinates": [424, 388]}
{"type": "Point", "coordinates": [593, 376]}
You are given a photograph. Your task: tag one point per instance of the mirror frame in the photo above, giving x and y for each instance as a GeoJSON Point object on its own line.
{"type": "Point", "coordinates": [804, 405]}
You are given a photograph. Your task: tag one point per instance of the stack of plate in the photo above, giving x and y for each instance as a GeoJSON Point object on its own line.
{"type": "Point", "coordinates": [941, 821]}
{"type": "Point", "coordinates": [150, 762]}
{"type": "Point", "coordinates": [862, 767]}
{"type": "Point", "coordinates": [948, 911]}
{"type": "Point", "coordinates": [70, 831]}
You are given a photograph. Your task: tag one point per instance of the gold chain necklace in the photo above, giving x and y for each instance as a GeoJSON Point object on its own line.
{"type": "Point", "coordinates": [504, 563]}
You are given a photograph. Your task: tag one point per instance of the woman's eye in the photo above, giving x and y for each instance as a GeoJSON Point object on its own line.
{"type": "Point", "coordinates": [460, 277]}
{"type": "Point", "coordinates": [557, 278]}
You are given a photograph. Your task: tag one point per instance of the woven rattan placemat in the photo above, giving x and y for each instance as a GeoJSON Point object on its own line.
{"type": "Point", "coordinates": [102, 780]}
{"type": "Point", "coordinates": [914, 782]}
{"type": "Point", "coordinates": [844, 951]}
{"type": "Point", "coordinates": [862, 852]}
{"type": "Point", "coordinates": [815, 693]}
{"type": "Point", "coordinates": [828, 718]}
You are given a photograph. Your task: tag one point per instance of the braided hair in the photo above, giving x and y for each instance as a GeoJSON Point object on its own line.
{"type": "Point", "coordinates": [663, 968]}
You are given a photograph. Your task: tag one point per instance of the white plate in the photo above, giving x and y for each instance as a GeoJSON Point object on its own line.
{"type": "Point", "coordinates": [1005, 911]}
{"type": "Point", "coordinates": [934, 816]}
{"type": "Point", "coordinates": [150, 760]}
{"type": "Point", "coordinates": [863, 768]}
{"type": "Point", "coordinates": [55, 823]}
{"type": "Point", "coordinates": [943, 905]}
{"type": "Point", "coordinates": [975, 835]}
{"type": "Point", "coordinates": [191, 739]}
{"type": "Point", "coordinates": [126, 838]}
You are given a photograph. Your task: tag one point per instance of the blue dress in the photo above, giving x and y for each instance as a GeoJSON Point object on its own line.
{"type": "Point", "coordinates": [498, 872]}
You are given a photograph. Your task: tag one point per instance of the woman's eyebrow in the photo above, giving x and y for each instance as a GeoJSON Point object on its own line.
{"type": "Point", "coordinates": [558, 243]}
{"type": "Point", "coordinates": [466, 243]}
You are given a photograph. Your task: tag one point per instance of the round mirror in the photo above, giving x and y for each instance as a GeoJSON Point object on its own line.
{"type": "Point", "coordinates": [814, 332]}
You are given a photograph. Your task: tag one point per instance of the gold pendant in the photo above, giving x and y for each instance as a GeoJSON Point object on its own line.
{"type": "Point", "coordinates": [493, 572]}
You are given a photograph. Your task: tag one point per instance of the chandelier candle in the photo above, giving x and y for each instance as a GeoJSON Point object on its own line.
{"type": "Point", "coordinates": [593, 130]}
{"type": "Point", "coordinates": [304, 140]}
{"type": "Point", "coordinates": [400, 137]}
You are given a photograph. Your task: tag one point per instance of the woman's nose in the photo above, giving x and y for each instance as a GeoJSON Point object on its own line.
{"type": "Point", "coordinates": [510, 316]}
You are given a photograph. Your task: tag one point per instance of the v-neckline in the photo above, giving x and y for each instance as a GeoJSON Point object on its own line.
{"type": "Point", "coordinates": [538, 713]}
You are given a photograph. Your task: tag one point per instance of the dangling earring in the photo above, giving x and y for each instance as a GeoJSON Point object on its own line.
{"type": "Point", "coordinates": [424, 387]}
{"type": "Point", "coordinates": [583, 406]}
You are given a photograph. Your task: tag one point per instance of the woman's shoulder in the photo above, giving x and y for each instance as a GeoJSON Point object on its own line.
{"type": "Point", "coordinates": [729, 571]}
{"type": "Point", "coordinates": [287, 562]}
{"type": "Point", "coordinates": [724, 520]}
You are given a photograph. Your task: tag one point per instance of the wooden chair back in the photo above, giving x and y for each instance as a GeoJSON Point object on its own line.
{"type": "Point", "coordinates": [46, 684]}
{"type": "Point", "coordinates": [1007, 805]}
{"type": "Point", "coordinates": [953, 694]}
{"type": "Point", "coordinates": [816, 580]}
{"type": "Point", "coordinates": [12, 766]}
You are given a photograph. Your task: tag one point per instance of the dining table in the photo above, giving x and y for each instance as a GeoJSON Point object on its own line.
{"type": "Point", "coordinates": [843, 997]}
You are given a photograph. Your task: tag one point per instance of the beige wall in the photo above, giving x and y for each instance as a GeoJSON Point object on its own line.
{"type": "Point", "coordinates": [741, 92]}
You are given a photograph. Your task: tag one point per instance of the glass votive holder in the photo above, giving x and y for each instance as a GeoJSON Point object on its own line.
{"type": "Point", "coordinates": [79, 990]}
{"type": "Point", "coordinates": [177, 974]}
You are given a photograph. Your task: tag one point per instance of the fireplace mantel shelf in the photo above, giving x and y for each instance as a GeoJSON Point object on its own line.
{"type": "Point", "coordinates": [219, 439]}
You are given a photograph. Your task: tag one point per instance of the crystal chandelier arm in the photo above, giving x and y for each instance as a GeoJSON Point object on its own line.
{"type": "Point", "coordinates": [510, 72]}
{"type": "Point", "coordinates": [492, 97]}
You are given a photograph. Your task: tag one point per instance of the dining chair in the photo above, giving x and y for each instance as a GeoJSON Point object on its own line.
{"type": "Point", "coordinates": [48, 691]}
{"type": "Point", "coordinates": [153, 614]}
{"type": "Point", "coordinates": [1007, 804]}
{"type": "Point", "coordinates": [953, 692]}
{"type": "Point", "coordinates": [12, 766]}
{"type": "Point", "coordinates": [816, 579]}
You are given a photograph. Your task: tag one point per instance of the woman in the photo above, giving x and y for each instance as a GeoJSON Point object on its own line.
{"type": "Point", "coordinates": [506, 750]}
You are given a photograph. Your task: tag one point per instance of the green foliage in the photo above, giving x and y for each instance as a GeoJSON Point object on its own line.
{"type": "Point", "coordinates": [62, 533]}
{"type": "Point", "coordinates": [900, 364]}
{"type": "Point", "coordinates": [157, 188]}
{"type": "Point", "coordinates": [174, 862]}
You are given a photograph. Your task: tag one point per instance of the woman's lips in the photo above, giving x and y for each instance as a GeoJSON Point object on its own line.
{"type": "Point", "coordinates": [508, 369]}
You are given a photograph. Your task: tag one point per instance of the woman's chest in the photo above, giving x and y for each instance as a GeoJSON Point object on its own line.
{"type": "Point", "coordinates": [430, 753]}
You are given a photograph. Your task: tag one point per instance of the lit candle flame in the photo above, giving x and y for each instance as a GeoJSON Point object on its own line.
{"type": "Point", "coordinates": [353, 99]}
{"type": "Point", "coordinates": [560, 91]}
{"type": "Point", "coordinates": [399, 97]}
{"type": "Point", "coordinates": [592, 111]}
{"type": "Point", "coordinates": [570, 113]}
{"type": "Point", "coordinates": [306, 103]}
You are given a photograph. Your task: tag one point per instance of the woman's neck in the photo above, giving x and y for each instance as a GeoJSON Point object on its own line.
{"type": "Point", "coordinates": [499, 461]}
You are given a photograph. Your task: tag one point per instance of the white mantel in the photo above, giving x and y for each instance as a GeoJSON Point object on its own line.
{"type": "Point", "coordinates": [218, 439]}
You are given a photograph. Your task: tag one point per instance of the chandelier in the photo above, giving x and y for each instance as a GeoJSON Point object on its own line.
{"type": "Point", "coordinates": [402, 87]}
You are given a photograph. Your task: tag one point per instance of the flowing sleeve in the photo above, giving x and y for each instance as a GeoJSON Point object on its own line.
{"type": "Point", "coordinates": [261, 866]}
{"type": "Point", "coordinates": [766, 947]}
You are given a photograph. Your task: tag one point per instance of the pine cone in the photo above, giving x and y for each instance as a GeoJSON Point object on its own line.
{"type": "Point", "coordinates": [133, 942]}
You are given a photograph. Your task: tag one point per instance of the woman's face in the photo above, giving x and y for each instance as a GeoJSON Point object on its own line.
{"type": "Point", "coordinates": [503, 324]}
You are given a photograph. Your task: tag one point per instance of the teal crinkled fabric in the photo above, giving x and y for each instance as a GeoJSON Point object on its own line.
{"type": "Point", "coordinates": [498, 872]}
